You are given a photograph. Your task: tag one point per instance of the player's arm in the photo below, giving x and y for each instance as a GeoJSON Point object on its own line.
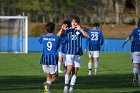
{"type": "Point", "coordinates": [126, 40]}
{"type": "Point", "coordinates": [132, 39]}
{"type": "Point", "coordinates": [83, 32]}
{"type": "Point", "coordinates": [40, 40]}
{"type": "Point", "coordinates": [63, 28]}
{"type": "Point", "coordinates": [102, 39]}
{"type": "Point", "coordinates": [132, 35]}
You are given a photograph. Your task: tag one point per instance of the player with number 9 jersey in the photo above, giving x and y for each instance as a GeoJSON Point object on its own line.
{"type": "Point", "coordinates": [49, 59]}
{"type": "Point", "coordinates": [50, 46]}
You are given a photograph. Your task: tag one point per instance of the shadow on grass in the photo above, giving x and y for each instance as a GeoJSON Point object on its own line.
{"type": "Point", "coordinates": [20, 82]}
{"type": "Point", "coordinates": [83, 82]}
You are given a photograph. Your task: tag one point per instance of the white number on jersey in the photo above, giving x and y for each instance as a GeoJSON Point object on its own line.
{"type": "Point", "coordinates": [49, 45]}
{"type": "Point", "coordinates": [74, 37]}
{"type": "Point", "coordinates": [94, 36]}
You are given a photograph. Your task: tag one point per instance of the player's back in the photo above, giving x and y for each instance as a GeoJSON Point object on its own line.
{"type": "Point", "coordinates": [50, 44]}
{"type": "Point", "coordinates": [136, 35]}
{"type": "Point", "coordinates": [135, 46]}
{"type": "Point", "coordinates": [95, 36]}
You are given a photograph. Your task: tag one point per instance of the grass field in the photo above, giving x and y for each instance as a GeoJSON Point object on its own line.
{"type": "Point", "coordinates": [22, 73]}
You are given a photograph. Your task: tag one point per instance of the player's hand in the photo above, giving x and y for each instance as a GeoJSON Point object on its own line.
{"type": "Point", "coordinates": [63, 27]}
{"type": "Point", "coordinates": [123, 45]}
{"type": "Point", "coordinates": [78, 27]}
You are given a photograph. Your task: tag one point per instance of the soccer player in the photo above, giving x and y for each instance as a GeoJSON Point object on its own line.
{"type": "Point", "coordinates": [49, 59]}
{"type": "Point", "coordinates": [74, 51]}
{"type": "Point", "coordinates": [94, 43]}
{"type": "Point", "coordinates": [63, 46]}
{"type": "Point", "coordinates": [135, 48]}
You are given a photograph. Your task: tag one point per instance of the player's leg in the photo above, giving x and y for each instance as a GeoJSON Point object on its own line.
{"type": "Point", "coordinates": [96, 57]}
{"type": "Point", "coordinates": [59, 62]}
{"type": "Point", "coordinates": [64, 63]}
{"type": "Point", "coordinates": [90, 62]}
{"type": "Point", "coordinates": [139, 76]}
{"type": "Point", "coordinates": [69, 64]}
{"type": "Point", "coordinates": [47, 76]}
{"type": "Point", "coordinates": [136, 67]}
{"type": "Point", "coordinates": [54, 74]}
{"type": "Point", "coordinates": [77, 63]}
{"type": "Point", "coordinates": [48, 83]}
{"type": "Point", "coordinates": [51, 77]}
{"type": "Point", "coordinates": [138, 63]}
{"type": "Point", "coordinates": [135, 72]}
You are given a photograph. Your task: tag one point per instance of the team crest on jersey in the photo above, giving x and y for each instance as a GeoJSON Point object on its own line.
{"type": "Point", "coordinates": [77, 33]}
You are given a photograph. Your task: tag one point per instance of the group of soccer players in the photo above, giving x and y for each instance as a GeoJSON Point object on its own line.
{"type": "Point", "coordinates": [68, 42]}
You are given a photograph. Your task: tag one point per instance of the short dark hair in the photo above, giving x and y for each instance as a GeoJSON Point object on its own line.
{"type": "Point", "coordinates": [67, 22]}
{"type": "Point", "coordinates": [77, 19]}
{"type": "Point", "coordinates": [50, 27]}
{"type": "Point", "coordinates": [96, 25]}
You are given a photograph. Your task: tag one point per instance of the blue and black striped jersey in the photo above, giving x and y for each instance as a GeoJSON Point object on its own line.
{"type": "Point", "coordinates": [64, 45]}
{"type": "Point", "coordinates": [50, 44]}
{"type": "Point", "coordinates": [74, 41]}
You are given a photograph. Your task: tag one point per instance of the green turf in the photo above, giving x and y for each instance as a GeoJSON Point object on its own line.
{"type": "Point", "coordinates": [22, 73]}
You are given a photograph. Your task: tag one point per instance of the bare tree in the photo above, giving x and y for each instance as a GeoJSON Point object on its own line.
{"type": "Point", "coordinates": [119, 6]}
{"type": "Point", "coordinates": [136, 4]}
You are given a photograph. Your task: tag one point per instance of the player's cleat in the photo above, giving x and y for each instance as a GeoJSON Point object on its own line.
{"type": "Point", "coordinates": [135, 82]}
{"type": "Point", "coordinates": [47, 91]}
{"type": "Point", "coordinates": [65, 90]}
{"type": "Point", "coordinates": [60, 71]}
{"type": "Point", "coordinates": [138, 83]}
{"type": "Point", "coordinates": [71, 91]}
{"type": "Point", "coordinates": [45, 88]}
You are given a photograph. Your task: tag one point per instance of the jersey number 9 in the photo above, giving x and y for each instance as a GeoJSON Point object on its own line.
{"type": "Point", "coordinates": [49, 46]}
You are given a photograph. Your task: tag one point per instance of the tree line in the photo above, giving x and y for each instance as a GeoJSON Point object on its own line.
{"type": "Point", "coordinates": [105, 11]}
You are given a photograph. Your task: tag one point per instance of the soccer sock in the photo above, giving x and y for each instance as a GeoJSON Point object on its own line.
{"type": "Point", "coordinates": [135, 72]}
{"type": "Point", "coordinates": [72, 83]}
{"type": "Point", "coordinates": [49, 84]}
{"type": "Point", "coordinates": [66, 81]}
{"type": "Point", "coordinates": [96, 66]}
{"type": "Point", "coordinates": [59, 66]}
{"type": "Point", "coordinates": [90, 65]}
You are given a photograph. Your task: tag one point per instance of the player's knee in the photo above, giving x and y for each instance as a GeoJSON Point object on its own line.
{"type": "Point", "coordinates": [54, 78]}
